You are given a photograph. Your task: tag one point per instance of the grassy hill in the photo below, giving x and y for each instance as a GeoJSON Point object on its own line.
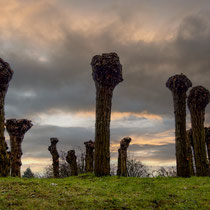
{"type": "Point", "coordinates": [89, 192]}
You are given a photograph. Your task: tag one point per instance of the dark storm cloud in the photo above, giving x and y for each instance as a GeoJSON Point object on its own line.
{"type": "Point", "coordinates": [65, 81]}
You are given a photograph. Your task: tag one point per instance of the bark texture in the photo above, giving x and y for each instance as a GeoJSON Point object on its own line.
{"type": "Point", "coordinates": [107, 73]}
{"type": "Point", "coordinates": [179, 84]}
{"type": "Point", "coordinates": [119, 163]}
{"type": "Point", "coordinates": [197, 101]}
{"type": "Point", "coordinates": [207, 134]}
{"type": "Point", "coordinates": [72, 160]}
{"type": "Point", "coordinates": [122, 159]}
{"type": "Point", "coordinates": [17, 129]}
{"type": "Point", "coordinates": [89, 156]}
{"type": "Point", "coordinates": [190, 151]}
{"type": "Point", "coordinates": [8, 166]}
{"type": "Point", "coordinates": [55, 156]}
{"type": "Point", "coordinates": [5, 77]}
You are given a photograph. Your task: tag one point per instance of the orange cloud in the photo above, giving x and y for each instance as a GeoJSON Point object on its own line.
{"type": "Point", "coordinates": [149, 139]}
{"type": "Point", "coordinates": [36, 21]}
{"type": "Point", "coordinates": [46, 21]}
{"type": "Point", "coordinates": [61, 118]}
{"type": "Point", "coordinates": [144, 114]}
{"type": "Point", "coordinates": [120, 115]}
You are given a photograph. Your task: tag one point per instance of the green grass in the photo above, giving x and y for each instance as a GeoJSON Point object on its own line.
{"type": "Point", "coordinates": [89, 192]}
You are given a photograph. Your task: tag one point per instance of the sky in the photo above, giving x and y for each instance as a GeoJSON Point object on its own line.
{"type": "Point", "coordinates": [50, 43]}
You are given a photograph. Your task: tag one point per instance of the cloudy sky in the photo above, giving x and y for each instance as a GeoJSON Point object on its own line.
{"type": "Point", "coordinates": [50, 43]}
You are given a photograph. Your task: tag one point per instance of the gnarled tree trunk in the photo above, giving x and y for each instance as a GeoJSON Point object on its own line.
{"type": "Point", "coordinates": [190, 151]}
{"type": "Point", "coordinates": [119, 162]}
{"type": "Point", "coordinates": [55, 156]}
{"type": "Point", "coordinates": [17, 130]}
{"type": "Point", "coordinates": [5, 77]}
{"type": "Point", "coordinates": [89, 156]}
{"type": "Point", "coordinates": [8, 167]}
{"type": "Point", "coordinates": [72, 160]}
{"type": "Point", "coordinates": [197, 101]}
{"type": "Point", "coordinates": [122, 159]}
{"type": "Point", "coordinates": [107, 73]}
{"type": "Point", "coordinates": [102, 133]}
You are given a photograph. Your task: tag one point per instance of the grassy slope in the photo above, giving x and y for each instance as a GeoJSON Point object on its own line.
{"type": "Point", "coordinates": [89, 192]}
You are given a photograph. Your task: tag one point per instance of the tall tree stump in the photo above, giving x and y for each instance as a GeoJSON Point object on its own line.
{"type": "Point", "coordinates": [5, 77]}
{"type": "Point", "coordinates": [71, 158]}
{"type": "Point", "coordinates": [122, 158]}
{"type": "Point", "coordinates": [179, 84]}
{"type": "Point", "coordinates": [17, 129]}
{"type": "Point", "coordinates": [55, 156]}
{"type": "Point", "coordinates": [89, 156]}
{"type": "Point", "coordinates": [197, 101]}
{"type": "Point", "coordinates": [107, 73]}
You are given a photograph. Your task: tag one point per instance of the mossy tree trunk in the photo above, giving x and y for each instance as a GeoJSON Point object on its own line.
{"type": "Point", "coordinates": [3, 146]}
{"type": "Point", "coordinates": [72, 160]}
{"type": "Point", "coordinates": [198, 99]}
{"type": "Point", "coordinates": [89, 156]}
{"type": "Point", "coordinates": [107, 74]}
{"type": "Point", "coordinates": [123, 162]}
{"type": "Point", "coordinates": [122, 159]}
{"type": "Point", "coordinates": [17, 130]}
{"type": "Point", "coordinates": [182, 149]}
{"type": "Point", "coordinates": [119, 162]}
{"type": "Point", "coordinates": [190, 151]}
{"type": "Point", "coordinates": [55, 156]}
{"type": "Point", "coordinates": [8, 169]}
{"type": "Point", "coordinates": [5, 76]}
{"type": "Point", "coordinates": [179, 84]}
{"type": "Point", "coordinates": [82, 168]}
{"type": "Point", "coordinates": [198, 133]}
{"type": "Point", "coordinates": [102, 132]}
{"type": "Point", "coordinates": [16, 154]}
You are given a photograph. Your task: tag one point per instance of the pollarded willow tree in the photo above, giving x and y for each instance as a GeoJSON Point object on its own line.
{"type": "Point", "coordinates": [179, 84]}
{"type": "Point", "coordinates": [71, 158]}
{"type": "Point", "coordinates": [107, 74]}
{"type": "Point", "coordinates": [17, 129]}
{"type": "Point", "coordinates": [89, 156]}
{"type": "Point", "coordinates": [122, 156]}
{"type": "Point", "coordinates": [5, 77]}
{"type": "Point", "coordinates": [197, 101]}
{"type": "Point", "coordinates": [55, 156]}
